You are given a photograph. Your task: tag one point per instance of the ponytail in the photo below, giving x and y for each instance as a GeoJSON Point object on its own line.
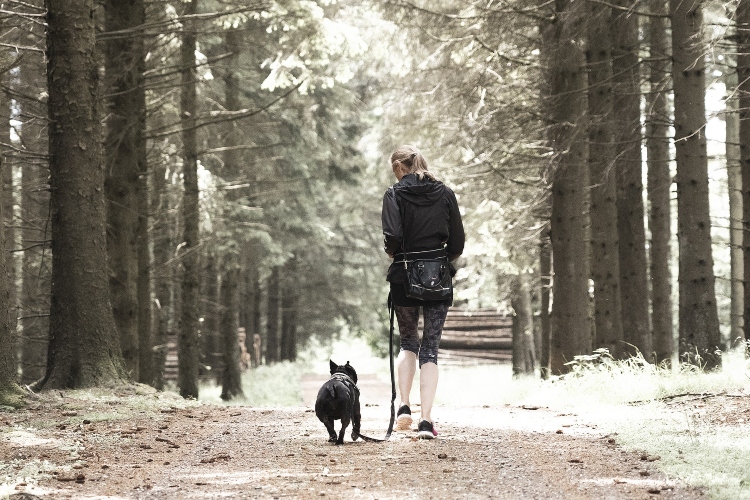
{"type": "Point", "coordinates": [412, 159]}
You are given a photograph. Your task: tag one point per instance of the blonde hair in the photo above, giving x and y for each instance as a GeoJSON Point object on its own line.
{"type": "Point", "coordinates": [412, 159]}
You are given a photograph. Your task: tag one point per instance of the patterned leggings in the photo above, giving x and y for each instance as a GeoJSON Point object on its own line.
{"type": "Point", "coordinates": [434, 318]}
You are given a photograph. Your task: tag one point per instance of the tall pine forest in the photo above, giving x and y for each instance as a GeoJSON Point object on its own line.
{"type": "Point", "coordinates": [193, 179]}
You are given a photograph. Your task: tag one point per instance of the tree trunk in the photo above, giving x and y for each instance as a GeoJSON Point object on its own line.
{"type": "Point", "coordinates": [145, 251]}
{"type": "Point", "coordinates": [734, 187]}
{"type": "Point", "coordinates": [163, 273]}
{"type": "Point", "coordinates": [146, 373]}
{"type": "Point", "coordinates": [545, 272]}
{"type": "Point", "coordinates": [250, 293]}
{"type": "Point", "coordinates": [630, 211]}
{"type": "Point", "coordinates": [699, 323]}
{"type": "Point", "coordinates": [8, 221]}
{"type": "Point", "coordinates": [83, 348]}
{"type": "Point", "coordinates": [605, 265]}
{"type": "Point", "coordinates": [124, 63]}
{"type": "Point", "coordinates": [289, 305]}
{"type": "Point", "coordinates": [523, 327]}
{"type": "Point", "coordinates": [231, 380]}
{"type": "Point", "coordinates": [274, 320]}
{"type": "Point", "coordinates": [188, 334]}
{"type": "Point", "coordinates": [211, 332]}
{"type": "Point", "coordinates": [743, 75]}
{"type": "Point", "coordinates": [571, 328]}
{"type": "Point", "coordinates": [35, 211]}
{"type": "Point", "coordinates": [230, 290]}
{"type": "Point", "coordinates": [10, 392]}
{"type": "Point", "coordinates": [256, 352]}
{"type": "Point", "coordinates": [659, 182]}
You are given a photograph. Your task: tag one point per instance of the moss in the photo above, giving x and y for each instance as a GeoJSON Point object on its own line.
{"type": "Point", "coordinates": [12, 396]}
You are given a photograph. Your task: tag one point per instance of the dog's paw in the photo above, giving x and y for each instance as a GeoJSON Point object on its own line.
{"type": "Point", "coordinates": [355, 436]}
{"type": "Point", "coordinates": [332, 439]}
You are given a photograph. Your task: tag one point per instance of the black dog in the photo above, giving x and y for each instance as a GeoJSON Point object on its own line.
{"type": "Point", "coordinates": [338, 399]}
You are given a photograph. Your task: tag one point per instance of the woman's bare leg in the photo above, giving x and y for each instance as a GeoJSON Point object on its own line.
{"type": "Point", "coordinates": [406, 366]}
{"type": "Point", "coordinates": [428, 381]}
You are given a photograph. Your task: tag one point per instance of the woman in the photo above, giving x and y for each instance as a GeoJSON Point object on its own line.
{"type": "Point", "coordinates": [421, 214]}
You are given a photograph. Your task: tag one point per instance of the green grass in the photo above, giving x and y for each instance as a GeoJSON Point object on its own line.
{"type": "Point", "coordinates": [279, 384]}
{"type": "Point", "coordinates": [693, 450]}
{"type": "Point", "coordinates": [271, 385]}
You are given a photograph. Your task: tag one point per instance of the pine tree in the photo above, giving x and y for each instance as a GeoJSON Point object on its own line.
{"type": "Point", "coordinates": [699, 322]}
{"type": "Point", "coordinates": [83, 349]}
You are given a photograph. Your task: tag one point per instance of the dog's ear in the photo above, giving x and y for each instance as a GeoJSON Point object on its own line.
{"type": "Point", "coordinates": [333, 365]}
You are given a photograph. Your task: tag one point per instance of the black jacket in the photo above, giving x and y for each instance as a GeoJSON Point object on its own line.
{"type": "Point", "coordinates": [431, 220]}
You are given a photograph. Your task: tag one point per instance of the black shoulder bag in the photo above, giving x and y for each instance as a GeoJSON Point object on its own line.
{"type": "Point", "coordinates": [428, 273]}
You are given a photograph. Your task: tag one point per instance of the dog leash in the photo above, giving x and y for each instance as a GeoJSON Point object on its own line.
{"type": "Point", "coordinates": [392, 312]}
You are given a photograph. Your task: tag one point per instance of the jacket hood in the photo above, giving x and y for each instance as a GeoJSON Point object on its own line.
{"type": "Point", "coordinates": [420, 192]}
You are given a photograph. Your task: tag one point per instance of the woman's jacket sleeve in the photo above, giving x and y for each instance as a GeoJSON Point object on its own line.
{"type": "Point", "coordinates": [454, 247]}
{"type": "Point", "coordinates": [392, 232]}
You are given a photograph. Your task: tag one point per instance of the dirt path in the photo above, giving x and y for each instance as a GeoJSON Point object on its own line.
{"type": "Point", "coordinates": [145, 447]}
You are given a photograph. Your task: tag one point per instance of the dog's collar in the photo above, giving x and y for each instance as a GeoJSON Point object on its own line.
{"type": "Point", "coordinates": [343, 377]}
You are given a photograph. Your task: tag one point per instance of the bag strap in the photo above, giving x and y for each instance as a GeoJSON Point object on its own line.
{"type": "Point", "coordinates": [392, 312]}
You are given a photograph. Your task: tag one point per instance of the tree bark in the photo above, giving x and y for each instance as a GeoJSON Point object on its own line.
{"type": "Point", "coordinates": [289, 305]}
{"type": "Point", "coordinates": [734, 188]}
{"type": "Point", "coordinates": [8, 221]}
{"type": "Point", "coordinates": [274, 319]}
{"type": "Point", "coordinates": [699, 323]}
{"type": "Point", "coordinates": [146, 373]}
{"type": "Point", "coordinates": [211, 331]}
{"type": "Point", "coordinates": [523, 327]}
{"type": "Point", "coordinates": [545, 274]}
{"type": "Point", "coordinates": [231, 380]}
{"type": "Point", "coordinates": [230, 290]}
{"type": "Point", "coordinates": [630, 211]}
{"type": "Point", "coordinates": [163, 273]}
{"type": "Point", "coordinates": [144, 237]}
{"type": "Point", "coordinates": [188, 353]}
{"type": "Point", "coordinates": [10, 392]}
{"type": "Point", "coordinates": [35, 211]}
{"type": "Point", "coordinates": [743, 90]}
{"type": "Point", "coordinates": [248, 293]}
{"type": "Point", "coordinates": [83, 348]}
{"type": "Point", "coordinates": [124, 63]}
{"type": "Point", "coordinates": [605, 264]}
{"type": "Point", "coordinates": [659, 182]}
{"type": "Point", "coordinates": [571, 328]}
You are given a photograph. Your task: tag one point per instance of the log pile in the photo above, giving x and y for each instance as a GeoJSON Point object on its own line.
{"type": "Point", "coordinates": [482, 336]}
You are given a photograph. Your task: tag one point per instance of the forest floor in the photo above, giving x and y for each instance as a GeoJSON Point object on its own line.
{"type": "Point", "coordinates": [137, 443]}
